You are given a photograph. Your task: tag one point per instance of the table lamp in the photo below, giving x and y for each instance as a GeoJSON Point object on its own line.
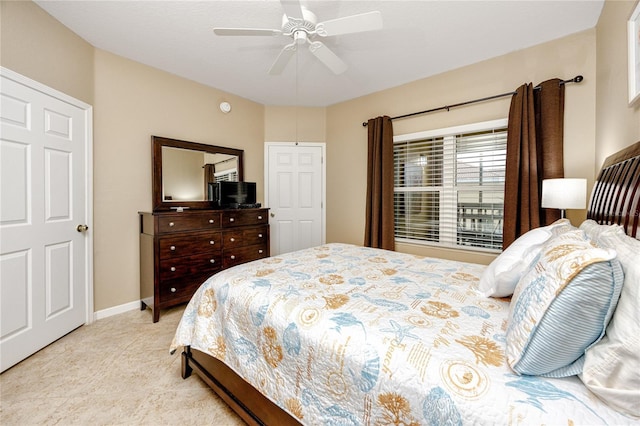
{"type": "Point", "coordinates": [564, 194]}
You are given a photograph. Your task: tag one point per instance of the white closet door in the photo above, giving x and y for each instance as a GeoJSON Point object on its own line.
{"type": "Point", "coordinates": [44, 175]}
{"type": "Point", "coordinates": [295, 194]}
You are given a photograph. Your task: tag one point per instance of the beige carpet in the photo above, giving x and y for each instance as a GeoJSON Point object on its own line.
{"type": "Point", "coordinates": [116, 371]}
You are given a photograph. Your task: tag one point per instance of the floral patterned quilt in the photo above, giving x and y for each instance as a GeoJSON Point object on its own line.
{"type": "Point", "coordinates": [348, 335]}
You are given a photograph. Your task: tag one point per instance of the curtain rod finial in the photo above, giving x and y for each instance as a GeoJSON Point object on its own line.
{"type": "Point", "coordinates": [578, 79]}
{"type": "Point", "coordinates": [364, 124]}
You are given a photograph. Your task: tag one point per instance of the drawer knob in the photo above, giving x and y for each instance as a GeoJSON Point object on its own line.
{"type": "Point", "coordinates": [172, 248]}
{"type": "Point", "coordinates": [260, 251]}
{"type": "Point", "coordinates": [212, 261]}
{"type": "Point", "coordinates": [173, 269]}
{"type": "Point", "coordinates": [231, 219]}
{"type": "Point", "coordinates": [259, 235]}
{"type": "Point", "coordinates": [259, 217]}
{"type": "Point", "coordinates": [212, 242]}
{"type": "Point", "coordinates": [171, 223]}
{"type": "Point", "coordinates": [211, 221]}
{"type": "Point", "coordinates": [173, 289]}
{"type": "Point", "coordinates": [233, 257]}
{"type": "Point", "coordinates": [232, 239]}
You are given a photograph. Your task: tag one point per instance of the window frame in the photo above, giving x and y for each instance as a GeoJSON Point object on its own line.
{"type": "Point", "coordinates": [447, 234]}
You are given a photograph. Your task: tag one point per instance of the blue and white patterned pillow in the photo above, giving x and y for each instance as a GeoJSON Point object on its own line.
{"type": "Point", "coordinates": [562, 306]}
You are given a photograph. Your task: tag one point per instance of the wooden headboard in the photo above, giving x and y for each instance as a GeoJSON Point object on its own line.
{"type": "Point", "coordinates": [616, 194]}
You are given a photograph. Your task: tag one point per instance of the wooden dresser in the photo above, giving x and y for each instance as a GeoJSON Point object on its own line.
{"type": "Point", "coordinates": [179, 251]}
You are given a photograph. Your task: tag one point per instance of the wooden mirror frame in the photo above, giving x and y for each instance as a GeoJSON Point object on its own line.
{"type": "Point", "coordinates": [158, 143]}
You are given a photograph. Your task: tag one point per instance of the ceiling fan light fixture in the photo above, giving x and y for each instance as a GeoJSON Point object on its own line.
{"type": "Point", "coordinates": [300, 37]}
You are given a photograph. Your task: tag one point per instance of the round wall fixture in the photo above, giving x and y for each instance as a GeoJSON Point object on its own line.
{"type": "Point", "coordinates": [225, 107]}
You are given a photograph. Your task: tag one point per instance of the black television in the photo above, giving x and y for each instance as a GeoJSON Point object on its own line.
{"type": "Point", "coordinates": [233, 195]}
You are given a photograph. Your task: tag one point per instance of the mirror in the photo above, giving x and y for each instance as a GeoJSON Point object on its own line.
{"type": "Point", "coordinates": [182, 169]}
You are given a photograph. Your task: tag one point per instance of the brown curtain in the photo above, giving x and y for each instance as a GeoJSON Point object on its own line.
{"type": "Point", "coordinates": [379, 227]}
{"type": "Point", "coordinates": [209, 176]}
{"type": "Point", "coordinates": [534, 153]}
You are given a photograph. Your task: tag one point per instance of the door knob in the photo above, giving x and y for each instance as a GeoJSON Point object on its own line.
{"type": "Point", "coordinates": [273, 215]}
{"type": "Point", "coordinates": [82, 228]}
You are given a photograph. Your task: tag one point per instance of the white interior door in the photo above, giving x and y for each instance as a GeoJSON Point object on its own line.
{"type": "Point", "coordinates": [45, 267]}
{"type": "Point", "coordinates": [295, 195]}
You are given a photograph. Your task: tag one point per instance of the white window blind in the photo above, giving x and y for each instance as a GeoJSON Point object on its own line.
{"type": "Point", "coordinates": [226, 175]}
{"type": "Point", "coordinates": [449, 186]}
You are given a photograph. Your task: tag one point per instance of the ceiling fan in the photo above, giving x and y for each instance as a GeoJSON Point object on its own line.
{"type": "Point", "coordinates": [300, 24]}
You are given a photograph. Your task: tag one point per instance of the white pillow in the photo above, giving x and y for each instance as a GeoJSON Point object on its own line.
{"type": "Point", "coordinates": [612, 366]}
{"type": "Point", "coordinates": [594, 230]}
{"type": "Point", "coordinates": [499, 279]}
{"type": "Point", "coordinates": [562, 306]}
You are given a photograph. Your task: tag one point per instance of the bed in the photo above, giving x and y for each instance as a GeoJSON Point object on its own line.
{"type": "Point", "coordinates": [342, 334]}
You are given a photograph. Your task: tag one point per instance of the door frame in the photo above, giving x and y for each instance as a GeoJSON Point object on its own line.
{"type": "Point", "coordinates": [323, 147]}
{"type": "Point", "coordinates": [88, 175]}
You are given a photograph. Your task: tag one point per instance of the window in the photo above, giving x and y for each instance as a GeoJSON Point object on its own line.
{"type": "Point", "coordinates": [226, 175]}
{"type": "Point", "coordinates": [449, 186]}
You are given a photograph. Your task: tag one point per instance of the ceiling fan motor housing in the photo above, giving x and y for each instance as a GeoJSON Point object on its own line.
{"type": "Point", "coordinates": [292, 25]}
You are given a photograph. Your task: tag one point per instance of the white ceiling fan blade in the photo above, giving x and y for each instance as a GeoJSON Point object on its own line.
{"type": "Point", "coordinates": [350, 24]}
{"type": "Point", "coordinates": [246, 32]}
{"type": "Point", "coordinates": [283, 59]}
{"type": "Point", "coordinates": [327, 57]}
{"type": "Point", "coordinates": [292, 8]}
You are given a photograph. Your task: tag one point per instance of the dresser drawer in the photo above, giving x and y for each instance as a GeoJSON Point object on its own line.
{"type": "Point", "coordinates": [240, 255]}
{"type": "Point", "coordinates": [244, 237]}
{"type": "Point", "coordinates": [184, 267]}
{"type": "Point", "coordinates": [256, 235]}
{"type": "Point", "coordinates": [189, 221]}
{"type": "Point", "coordinates": [179, 290]}
{"type": "Point", "coordinates": [244, 217]}
{"type": "Point", "coordinates": [172, 246]}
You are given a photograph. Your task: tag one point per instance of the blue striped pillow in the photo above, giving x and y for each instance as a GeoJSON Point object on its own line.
{"type": "Point", "coordinates": [562, 306]}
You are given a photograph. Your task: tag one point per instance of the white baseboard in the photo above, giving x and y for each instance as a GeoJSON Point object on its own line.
{"type": "Point", "coordinates": [115, 310]}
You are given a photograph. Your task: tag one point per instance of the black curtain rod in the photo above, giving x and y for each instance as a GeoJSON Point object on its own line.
{"type": "Point", "coordinates": [576, 79]}
{"type": "Point", "coordinates": [220, 162]}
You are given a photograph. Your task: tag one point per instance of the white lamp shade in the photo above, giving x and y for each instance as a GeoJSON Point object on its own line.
{"type": "Point", "coordinates": [564, 193]}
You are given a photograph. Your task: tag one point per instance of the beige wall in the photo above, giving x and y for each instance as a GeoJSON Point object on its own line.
{"type": "Point", "coordinates": [347, 138]}
{"type": "Point", "coordinates": [37, 46]}
{"type": "Point", "coordinates": [617, 122]}
{"type": "Point", "coordinates": [294, 124]}
{"type": "Point", "coordinates": [132, 103]}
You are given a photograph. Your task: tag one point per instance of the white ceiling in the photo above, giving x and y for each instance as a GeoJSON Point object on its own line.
{"type": "Point", "coordinates": [420, 38]}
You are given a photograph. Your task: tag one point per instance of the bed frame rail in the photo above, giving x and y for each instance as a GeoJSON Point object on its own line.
{"type": "Point", "coordinates": [253, 407]}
